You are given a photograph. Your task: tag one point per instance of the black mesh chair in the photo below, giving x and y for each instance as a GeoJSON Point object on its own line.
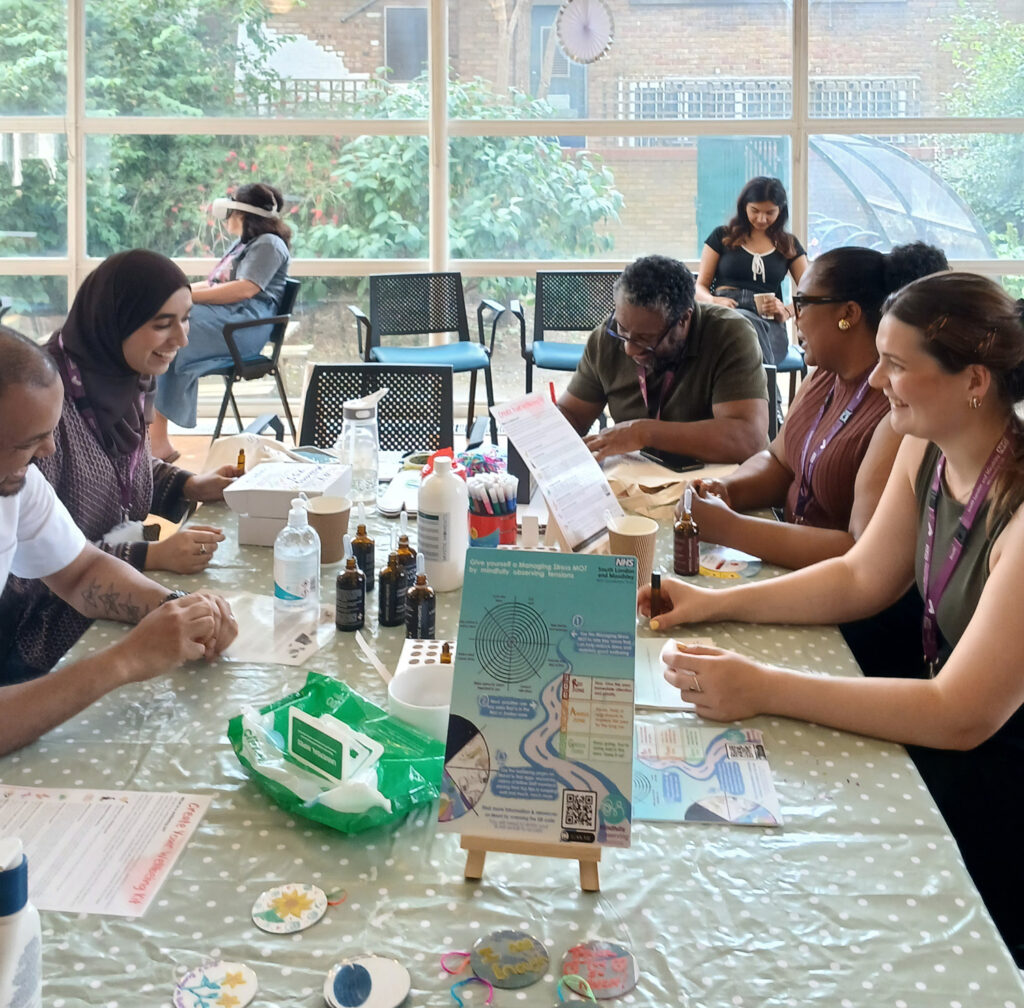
{"type": "Point", "coordinates": [770, 373]}
{"type": "Point", "coordinates": [415, 414]}
{"type": "Point", "coordinates": [423, 304]}
{"type": "Point", "coordinates": [263, 364]}
{"type": "Point", "coordinates": [566, 302]}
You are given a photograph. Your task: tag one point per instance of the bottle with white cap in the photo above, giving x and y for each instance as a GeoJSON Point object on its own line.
{"type": "Point", "coordinates": [297, 562]}
{"type": "Point", "coordinates": [21, 942]}
{"type": "Point", "coordinates": [443, 525]}
{"type": "Point", "coordinates": [359, 445]}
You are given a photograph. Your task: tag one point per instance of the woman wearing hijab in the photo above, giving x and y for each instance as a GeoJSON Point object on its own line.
{"type": "Point", "coordinates": [246, 284]}
{"type": "Point", "coordinates": [128, 321]}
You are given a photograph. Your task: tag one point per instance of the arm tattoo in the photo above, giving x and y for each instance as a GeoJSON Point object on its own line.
{"type": "Point", "coordinates": [108, 603]}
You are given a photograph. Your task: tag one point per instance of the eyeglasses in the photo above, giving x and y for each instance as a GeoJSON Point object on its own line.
{"type": "Point", "coordinates": [800, 301]}
{"type": "Point", "coordinates": [612, 326]}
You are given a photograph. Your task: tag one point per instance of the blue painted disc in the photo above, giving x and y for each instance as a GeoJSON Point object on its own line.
{"type": "Point", "coordinates": [367, 982]}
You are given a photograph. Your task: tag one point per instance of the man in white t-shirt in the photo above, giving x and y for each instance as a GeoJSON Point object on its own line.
{"type": "Point", "coordinates": [38, 539]}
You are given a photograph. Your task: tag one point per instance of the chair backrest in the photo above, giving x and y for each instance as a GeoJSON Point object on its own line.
{"type": "Point", "coordinates": [415, 414]}
{"type": "Point", "coordinates": [409, 304]}
{"type": "Point", "coordinates": [570, 301]}
{"type": "Point", "coordinates": [771, 376]}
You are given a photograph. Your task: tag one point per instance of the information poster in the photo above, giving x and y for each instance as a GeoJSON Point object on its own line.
{"type": "Point", "coordinates": [687, 772]}
{"type": "Point", "coordinates": [540, 739]}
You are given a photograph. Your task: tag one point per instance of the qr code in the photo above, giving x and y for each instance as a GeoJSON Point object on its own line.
{"type": "Point", "coordinates": [745, 751]}
{"type": "Point", "coordinates": [579, 810]}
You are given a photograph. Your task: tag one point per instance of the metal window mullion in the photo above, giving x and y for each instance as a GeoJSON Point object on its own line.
{"type": "Point", "coordinates": [438, 138]}
{"type": "Point", "coordinates": [74, 131]}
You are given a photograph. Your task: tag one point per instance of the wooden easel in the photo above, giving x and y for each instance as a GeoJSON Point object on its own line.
{"type": "Point", "coordinates": [587, 855]}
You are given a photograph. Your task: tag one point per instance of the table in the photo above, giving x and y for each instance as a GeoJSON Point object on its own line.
{"type": "Point", "coordinates": [860, 899]}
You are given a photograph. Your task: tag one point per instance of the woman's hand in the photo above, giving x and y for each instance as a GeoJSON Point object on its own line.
{"type": "Point", "coordinates": [210, 486]}
{"type": "Point", "coordinates": [186, 552]}
{"type": "Point", "coordinates": [722, 685]}
{"type": "Point", "coordinates": [725, 302]}
{"type": "Point", "coordinates": [690, 604]}
{"type": "Point", "coordinates": [712, 511]}
{"type": "Point", "coordinates": [706, 488]}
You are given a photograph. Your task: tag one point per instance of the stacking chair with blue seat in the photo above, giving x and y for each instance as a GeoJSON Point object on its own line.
{"type": "Point", "coordinates": [263, 364]}
{"type": "Point", "coordinates": [567, 301]}
{"type": "Point", "coordinates": [424, 304]}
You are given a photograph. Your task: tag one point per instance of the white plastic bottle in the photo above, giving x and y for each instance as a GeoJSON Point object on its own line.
{"type": "Point", "coordinates": [443, 526]}
{"type": "Point", "coordinates": [297, 562]}
{"type": "Point", "coordinates": [21, 942]}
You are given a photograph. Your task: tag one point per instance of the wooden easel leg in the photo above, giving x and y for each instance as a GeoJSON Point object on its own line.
{"type": "Point", "coordinates": [589, 879]}
{"type": "Point", "coordinates": [475, 864]}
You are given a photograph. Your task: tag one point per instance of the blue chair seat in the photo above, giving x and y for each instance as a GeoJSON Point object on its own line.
{"type": "Point", "coordinates": [793, 361]}
{"type": "Point", "coordinates": [460, 356]}
{"type": "Point", "coordinates": [557, 356]}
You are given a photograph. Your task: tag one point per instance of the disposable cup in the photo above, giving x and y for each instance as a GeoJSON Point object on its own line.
{"type": "Point", "coordinates": [763, 304]}
{"type": "Point", "coordinates": [329, 517]}
{"type": "Point", "coordinates": [422, 696]}
{"type": "Point", "coordinates": [634, 535]}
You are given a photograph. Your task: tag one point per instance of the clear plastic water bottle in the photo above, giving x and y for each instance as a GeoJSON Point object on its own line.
{"type": "Point", "coordinates": [297, 562]}
{"type": "Point", "coordinates": [359, 445]}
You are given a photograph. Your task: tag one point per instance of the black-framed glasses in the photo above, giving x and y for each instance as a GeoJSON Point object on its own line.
{"type": "Point", "coordinates": [612, 328]}
{"type": "Point", "coordinates": [800, 301]}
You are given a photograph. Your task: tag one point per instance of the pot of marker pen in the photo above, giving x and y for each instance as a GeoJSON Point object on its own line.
{"type": "Point", "coordinates": [492, 510]}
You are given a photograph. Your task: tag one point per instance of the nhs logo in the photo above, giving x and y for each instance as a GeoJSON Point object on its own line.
{"type": "Point", "coordinates": [623, 561]}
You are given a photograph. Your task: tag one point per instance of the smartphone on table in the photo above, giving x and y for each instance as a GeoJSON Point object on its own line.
{"type": "Point", "coordinates": [677, 463]}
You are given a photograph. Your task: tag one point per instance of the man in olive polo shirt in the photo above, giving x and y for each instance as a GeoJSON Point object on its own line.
{"type": "Point", "coordinates": [676, 376]}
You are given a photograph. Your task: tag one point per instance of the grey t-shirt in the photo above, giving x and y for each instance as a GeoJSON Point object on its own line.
{"type": "Point", "coordinates": [264, 262]}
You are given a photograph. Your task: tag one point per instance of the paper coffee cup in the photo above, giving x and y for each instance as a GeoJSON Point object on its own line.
{"type": "Point", "coordinates": [763, 304]}
{"type": "Point", "coordinates": [329, 518]}
{"type": "Point", "coordinates": [634, 535]}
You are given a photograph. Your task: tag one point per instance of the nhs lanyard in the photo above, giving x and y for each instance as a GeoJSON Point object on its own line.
{"type": "Point", "coordinates": [809, 458]}
{"type": "Point", "coordinates": [933, 593]}
{"type": "Point", "coordinates": [77, 388]}
{"type": "Point", "coordinates": [666, 386]}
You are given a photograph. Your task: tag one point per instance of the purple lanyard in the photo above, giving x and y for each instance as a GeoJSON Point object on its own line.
{"type": "Point", "coordinates": [74, 383]}
{"type": "Point", "coordinates": [666, 386]}
{"type": "Point", "coordinates": [808, 463]}
{"type": "Point", "coordinates": [933, 593]}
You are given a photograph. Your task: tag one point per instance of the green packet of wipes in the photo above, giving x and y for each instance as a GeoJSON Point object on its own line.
{"type": "Point", "coordinates": [406, 773]}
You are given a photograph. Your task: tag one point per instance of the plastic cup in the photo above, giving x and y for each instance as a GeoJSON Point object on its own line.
{"type": "Point", "coordinates": [422, 696]}
{"type": "Point", "coordinates": [329, 517]}
{"type": "Point", "coordinates": [634, 535]}
{"type": "Point", "coordinates": [763, 304]}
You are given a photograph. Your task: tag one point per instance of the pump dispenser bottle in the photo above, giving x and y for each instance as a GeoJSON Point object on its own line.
{"type": "Point", "coordinates": [297, 562]}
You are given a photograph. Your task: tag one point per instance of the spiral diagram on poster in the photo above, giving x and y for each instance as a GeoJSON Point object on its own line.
{"type": "Point", "coordinates": [512, 643]}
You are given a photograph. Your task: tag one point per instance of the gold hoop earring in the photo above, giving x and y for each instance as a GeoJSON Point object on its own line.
{"type": "Point", "coordinates": [844, 324]}
{"type": "Point", "coordinates": [974, 402]}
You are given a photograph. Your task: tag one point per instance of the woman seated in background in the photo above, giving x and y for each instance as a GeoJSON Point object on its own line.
{"type": "Point", "coordinates": [246, 284]}
{"type": "Point", "coordinates": [127, 322]}
{"type": "Point", "coordinates": [830, 460]}
{"type": "Point", "coordinates": [951, 350]}
{"type": "Point", "coordinates": [752, 254]}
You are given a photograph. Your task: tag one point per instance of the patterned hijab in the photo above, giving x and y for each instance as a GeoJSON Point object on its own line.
{"type": "Point", "coordinates": [118, 297]}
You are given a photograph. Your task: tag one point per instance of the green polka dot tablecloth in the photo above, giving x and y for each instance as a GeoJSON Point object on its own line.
{"type": "Point", "coordinates": [859, 900]}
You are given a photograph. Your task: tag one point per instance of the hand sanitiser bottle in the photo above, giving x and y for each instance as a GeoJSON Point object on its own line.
{"type": "Point", "coordinates": [21, 974]}
{"type": "Point", "coordinates": [297, 563]}
{"type": "Point", "coordinates": [443, 522]}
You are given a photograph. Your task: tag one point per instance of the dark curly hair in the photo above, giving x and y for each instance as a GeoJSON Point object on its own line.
{"type": "Point", "coordinates": [762, 190]}
{"type": "Point", "coordinates": [868, 276]}
{"type": "Point", "coordinates": [266, 197]}
{"type": "Point", "coordinates": [658, 283]}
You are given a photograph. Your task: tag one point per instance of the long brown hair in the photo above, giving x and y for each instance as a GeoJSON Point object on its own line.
{"type": "Point", "coordinates": [968, 319]}
{"type": "Point", "coordinates": [762, 190]}
{"type": "Point", "coordinates": [266, 197]}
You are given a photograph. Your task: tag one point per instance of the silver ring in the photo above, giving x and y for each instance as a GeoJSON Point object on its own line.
{"type": "Point", "coordinates": [202, 549]}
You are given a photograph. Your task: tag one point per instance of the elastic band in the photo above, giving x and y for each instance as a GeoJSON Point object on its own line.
{"type": "Point", "coordinates": [469, 980]}
{"type": "Point", "coordinates": [340, 896]}
{"type": "Point", "coordinates": [581, 987]}
{"type": "Point", "coordinates": [454, 972]}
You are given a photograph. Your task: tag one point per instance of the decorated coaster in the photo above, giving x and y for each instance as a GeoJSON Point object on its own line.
{"type": "Point", "coordinates": [367, 981]}
{"type": "Point", "coordinates": [509, 959]}
{"type": "Point", "coordinates": [609, 968]}
{"type": "Point", "coordinates": [224, 984]}
{"type": "Point", "coordinates": [288, 908]}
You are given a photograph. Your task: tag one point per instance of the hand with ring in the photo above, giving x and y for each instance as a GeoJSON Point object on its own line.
{"type": "Point", "coordinates": [188, 551]}
{"type": "Point", "coordinates": [722, 685]}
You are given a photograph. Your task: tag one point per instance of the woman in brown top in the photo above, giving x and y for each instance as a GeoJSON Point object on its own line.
{"type": "Point", "coordinates": [828, 493]}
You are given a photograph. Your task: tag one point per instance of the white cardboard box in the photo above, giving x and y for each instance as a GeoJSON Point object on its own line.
{"type": "Point", "coordinates": [267, 490]}
{"type": "Point", "coordinates": [254, 531]}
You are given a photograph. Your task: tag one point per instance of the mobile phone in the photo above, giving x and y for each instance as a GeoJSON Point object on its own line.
{"type": "Point", "coordinates": [677, 463]}
{"type": "Point", "coordinates": [315, 454]}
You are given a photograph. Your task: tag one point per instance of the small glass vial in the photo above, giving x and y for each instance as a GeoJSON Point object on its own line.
{"type": "Point", "coordinates": [446, 654]}
{"type": "Point", "coordinates": [363, 549]}
{"type": "Point", "coordinates": [350, 603]}
{"type": "Point", "coordinates": [391, 600]}
{"type": "Point", "coordinates": [420, 607]}
{"type": "Point", "coordinates": [240, 463]}
{"type": "Point", "coordinates": [659, 603]}
{"type": "Point", "coordinates": [686, 552]}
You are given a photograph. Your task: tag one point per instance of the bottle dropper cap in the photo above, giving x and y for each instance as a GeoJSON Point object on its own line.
{"type": "Point", "coordinates": [403, 522]}
{"type": "Point", "coordinates": [421, 565]}
{"type": "Point", "coordinates": [361, 514]}
{"type": "Point", "coordinates": [688, 500]}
